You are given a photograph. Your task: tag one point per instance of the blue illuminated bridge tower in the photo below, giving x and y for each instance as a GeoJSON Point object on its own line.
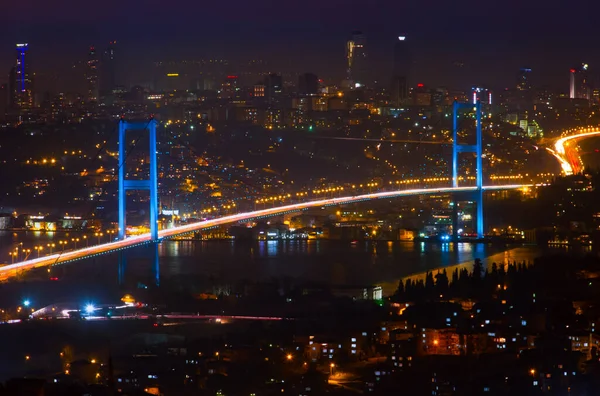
{"type": "Point", "coordinates": [457, 148]}
{"type": "Point", "coordinates": [150, 184]}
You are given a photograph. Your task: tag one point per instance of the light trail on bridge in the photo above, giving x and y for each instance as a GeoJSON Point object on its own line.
{"type": "Point", "coordinates": [380, 140]}
{"type": "Point", "coordinates": [570, 163]}
{"type": "Point", "coordinates": [12, 270]}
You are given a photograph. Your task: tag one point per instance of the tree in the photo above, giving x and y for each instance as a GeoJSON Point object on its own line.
{"type": "Point", "coordinates": [408, 289]}
{"type": "Point", "coordinates": [429, 283]}
{"type": "Point", "coordinates": [441, 282]}
{"type": "Point", "coordinates": [477, 269]}
{"type": "Point", "coordinates": [455, 277]}
{"type": "Point", "coordinates": [400, 289]}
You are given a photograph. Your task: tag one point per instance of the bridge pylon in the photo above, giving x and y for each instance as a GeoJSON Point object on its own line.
{"type": "Point", "coordinates": [477, 195]}
{"type": "Point", "coordinates": [150, 184]}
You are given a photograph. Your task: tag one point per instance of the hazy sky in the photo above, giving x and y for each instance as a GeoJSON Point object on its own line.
{"type": "Point", "coordinates": [492, 38]}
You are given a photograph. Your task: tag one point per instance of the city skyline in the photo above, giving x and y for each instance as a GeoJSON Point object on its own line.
{"type": "Point", "coordinates": [451, 46]}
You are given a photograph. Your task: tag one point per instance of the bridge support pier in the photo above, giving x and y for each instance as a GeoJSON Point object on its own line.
{"type": "Point", "coordinates": [154, 263]}
{"type": "Point", "coordinates": [476, 148]}
{"type": "Point", "coordinates": [122, 267]}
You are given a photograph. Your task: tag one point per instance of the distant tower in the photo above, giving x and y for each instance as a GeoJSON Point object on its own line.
{"type": "Point", "coordinates": [91, 75]}
{"type": "Point", "coordinates": [108, 79]}
{"type": "Point", "coordinates": [580, 86]}
{"type": "Point", "coordinates": [356, 60]}
{"type": "Point", "coordinates": [21, 86]}
{"type": "Point", "coordinates": [572, 83]}
{"type": "Point", "coordinates": [400, 72]}
{"type": "Point", "coordinates": [4, 94]}
{"type": "Point", "coordinates": [583, 87]}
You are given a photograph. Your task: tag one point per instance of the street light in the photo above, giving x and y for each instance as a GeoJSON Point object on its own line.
{"type": "Point", "coordinates": [51, 246]}
{"type": "Point", "coordinates": [331, 366]}
{"type": "Point", "coordinates": [87, 242]}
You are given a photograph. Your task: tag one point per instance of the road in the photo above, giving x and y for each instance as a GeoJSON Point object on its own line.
{"type": "Point", "coordinates": [12, 270]}
{"type": "Point", "coordinates": [565, 151]}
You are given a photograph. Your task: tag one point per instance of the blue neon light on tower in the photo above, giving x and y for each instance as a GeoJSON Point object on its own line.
{"type": "Point", "coordinates": [150, 184]}
{"type": "Point", "coordinates": [468, 148]}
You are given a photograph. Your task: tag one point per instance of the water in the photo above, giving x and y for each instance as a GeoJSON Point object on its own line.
{"type": "Point", "coordinates": [202, 265]}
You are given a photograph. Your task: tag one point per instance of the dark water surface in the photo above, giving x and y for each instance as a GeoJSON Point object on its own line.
{"type": "Point", "coordinates": [228, 262]}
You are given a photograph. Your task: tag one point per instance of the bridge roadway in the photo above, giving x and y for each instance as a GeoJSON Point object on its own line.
{"type": "Point", "coordinates": [12, 270]}
{"type": "Point", "coordinates": [567, 156]}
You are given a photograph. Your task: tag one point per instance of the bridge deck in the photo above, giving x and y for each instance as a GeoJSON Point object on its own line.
{"type": "Point", "coordinates": [12, 270]}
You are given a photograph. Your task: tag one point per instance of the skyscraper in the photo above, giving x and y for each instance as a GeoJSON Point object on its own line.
{"type": "Point", "coordinates": [400, 72]}
{"type": "Point", "coordinates": [308, 84]}
{"type": "Point", "coordinates": [108, 77]}
{"type": "Point", "coordinates": [356, 60]}
{"type": "Point", "coordinates": [91, 75]}
{"type": "Point", "coordinates": [523, 79]}
{"type": "Point", "coordinates": [579, 83]}
{"type": "Point", "coordinates": [3, 101]}
{"type": "Point", "coordinates": [21, 86]}
{"type": "Point", "coordinates": [572, 83]}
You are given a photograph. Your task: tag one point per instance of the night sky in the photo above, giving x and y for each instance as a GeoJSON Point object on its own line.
{"type": "Point", "coordinates": [492, 38]}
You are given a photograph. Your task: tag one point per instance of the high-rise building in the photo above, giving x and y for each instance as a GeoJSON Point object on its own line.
{"type": "Point", "coordinates": [273, 87]}
{"type": "Point", "coordinates": [523, 79]}
{"type": "Point", "coordinates": [308, 84]}
{"type": "Point", "coordinates": [572, 83]}
{"type": "Point", "coordinates": [579, 83]}
{"type": "Point", "coordinates": [230, 88]}
{"type": "Point", "coordinates": [21, 85]}
{"type": "Point", "coordinates": [356, 60]}
{"type": "Point", "coordinates": [400, 72]}
{"type": "Point", "coordinates": [91, 75]}
{"type": "Point", "coordinates": [3, 101]}
{"type": "Point", "coordinates": [108, 77]}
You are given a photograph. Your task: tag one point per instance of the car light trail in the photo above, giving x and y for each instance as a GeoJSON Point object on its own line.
{"type": "Point", "coordinates": [12, 270]}
{"type": "Point", "coordinates": [560, 151]}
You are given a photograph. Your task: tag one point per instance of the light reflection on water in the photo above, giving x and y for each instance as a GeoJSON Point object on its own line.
{"type": "Point", "coordinates": [333, 262]}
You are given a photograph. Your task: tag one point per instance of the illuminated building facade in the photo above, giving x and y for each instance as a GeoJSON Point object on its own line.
{"type": "Point", "coordinates": [259, 91]}
{"type": "Point", "coordinates": [21, 85]}
{"type": "Point", "coordinates": [91, 75]}
{"type": "Point", "coordinates": [356, 60]}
